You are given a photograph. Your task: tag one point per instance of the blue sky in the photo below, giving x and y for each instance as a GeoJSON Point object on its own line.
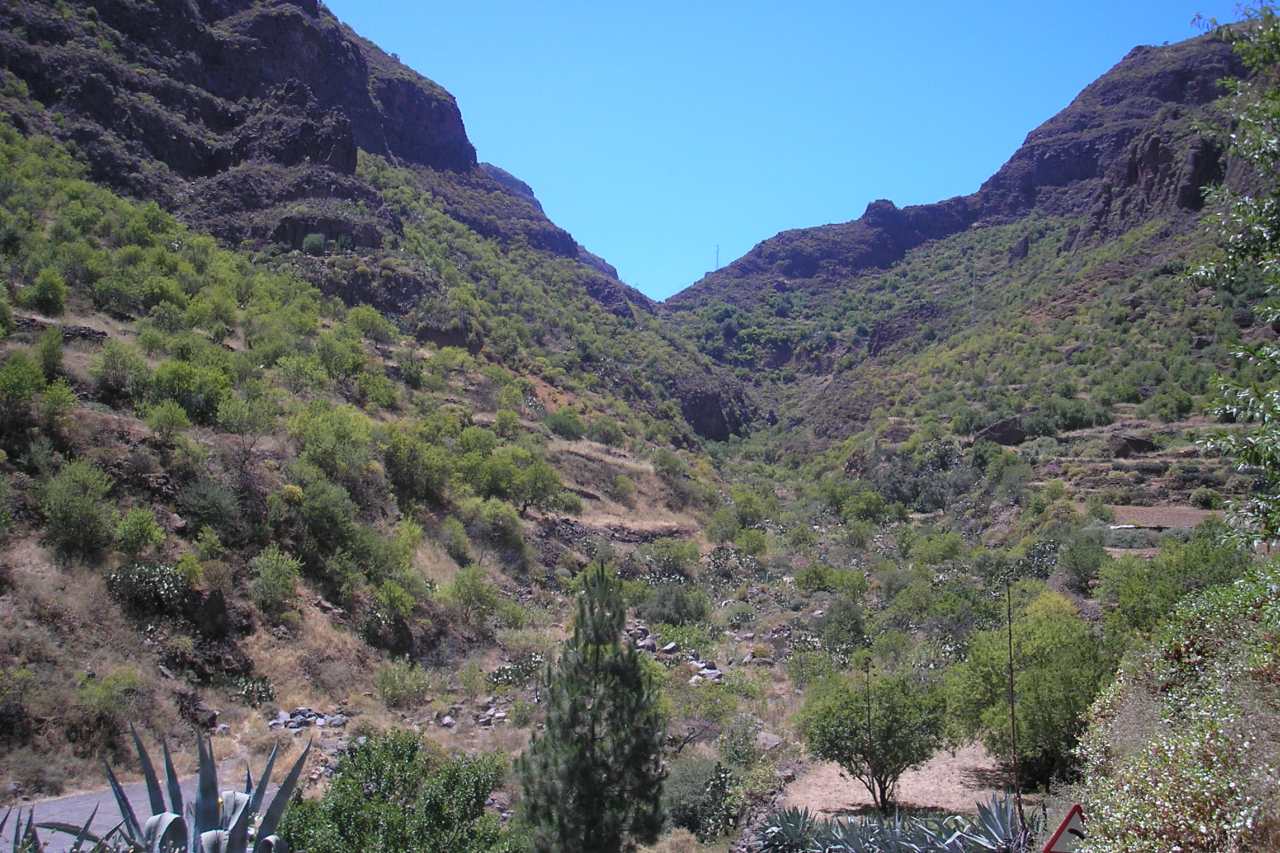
{"type": "Point", "coordinates": [655, 131]}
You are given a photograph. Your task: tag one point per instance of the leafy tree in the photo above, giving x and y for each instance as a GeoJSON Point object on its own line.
{"type": "Point", "coordinates": [398, 792]}
{"type": "Point", "coordinates": [120, 372]}
{"type": "Point", "coordinates": [905, 727]}
{"type": "Point", "coordinates": [535, 485]}
{"type": "Point", "coordinates": [1058, 669]}
{"type": "Point", "coordinates": [566, 423]}
{"type": "Point", "coordinates": [1248, 230]}
{"type": "Point", "coordinates": [593, 779]}
{"type": "Point", "coordinates": [81, 522]}
{"type": "Point", "coordinates": [20, 380]}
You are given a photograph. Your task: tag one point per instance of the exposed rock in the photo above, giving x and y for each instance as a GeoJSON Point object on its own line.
{"type": "Point", "coordinates": [1125, 444]}
{"type": "Point", "coordinates": [1008, 432]}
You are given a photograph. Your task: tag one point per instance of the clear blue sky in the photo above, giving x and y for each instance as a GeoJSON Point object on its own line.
{"type": "Point", "coordinates": [655, 131]}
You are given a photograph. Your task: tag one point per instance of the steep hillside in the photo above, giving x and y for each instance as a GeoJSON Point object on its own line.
{"type": "Point", "coordinates": [256, 132]}
{"type": "Point", "coordinates": [1059, 279]}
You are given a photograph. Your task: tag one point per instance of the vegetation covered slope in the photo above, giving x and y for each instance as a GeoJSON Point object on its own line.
{"type": "Point", "coordinates": [325, 444]}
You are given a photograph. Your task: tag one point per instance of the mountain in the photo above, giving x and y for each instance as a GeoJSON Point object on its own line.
{"type": "Point", "coordinates": [254, 131]}
{"type": "Point", "coordinates": [916, 312]}
{"type": "Point", "coordinates": [1123, 152]}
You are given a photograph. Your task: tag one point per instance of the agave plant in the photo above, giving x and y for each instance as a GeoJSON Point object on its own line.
{"type": "Point", "coordinates": [230, 822]}
{"type": "Point", "coordinates": [997, 828]}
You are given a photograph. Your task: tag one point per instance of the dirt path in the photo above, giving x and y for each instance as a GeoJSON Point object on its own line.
{"type": "Point", "coordinates": [954, 783]}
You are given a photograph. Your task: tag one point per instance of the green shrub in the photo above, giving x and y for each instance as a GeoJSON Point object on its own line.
{"type": "Point", "coordinates": [810, 667]}
{"type": "Point", "coordinates": [275, 578]}
{"type": "Point", "coordinates": [566, 423]}
{"type": "Point", "coordinates": [20, 380]}
{"type": "Point", "coordinates": [148, 589]}
{"type": "Point", "coordinates": [138, 532]}
{"type": "Point", "coordinates": [607, 431]}
{"type": "Point", "coordinates": [751, 541]}
{"type": "Point", "coordinates": [56, 404]}
{"type": "Point", "coordinates": [675, 604]}
{"type": "Point", "coordinates": [397, 792]}
{"type": "Point", "coordinates": [453, 535]}
{"type": "Point", "coordinates": [47, 294]}
{"type": "Point", "coordinates": [166, 419]}
{"type": "Point", "coordinates": [199, 390]}
{"type": "Point", "coordinates": [49, 352]}
{"type": "Point", "coordinates": [697, 796]}
{"type": "Point", "coordinates": [80, 521]}
{"type": "Point", "coordinates": [120, 372]}
{"type": "Point", "coordinates": [471, 595]}
{"type": "Point", "coordinates": [401, 683]}
{"type": "Point", "coordinates": [313, 244]}
{"type": "Point", "coordinates": [623, 490]}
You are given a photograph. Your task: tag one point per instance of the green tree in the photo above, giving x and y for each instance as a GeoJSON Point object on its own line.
{"type": "Point", "coordinates": [166, 419]}
{"type": "Point", "coordinates": [1248, 231]}
{"type": "Point", "coordinates": [20, 380]}
{"type": "Point", "coordinates": [81, 522]}
{"type": "Point", "coordinates": [874, 733]}
{"type": "Point", "coordinates": [1058, 669]}
{"type": "Point", "coordinates": [593, 779]}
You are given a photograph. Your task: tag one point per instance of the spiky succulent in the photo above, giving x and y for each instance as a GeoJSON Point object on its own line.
{"type": "Point", "coordinates": [27, 840]}
{"type": "Point", "coordinates": [996, 828]}
{"type": "Point", "coordinates": [230, 822]}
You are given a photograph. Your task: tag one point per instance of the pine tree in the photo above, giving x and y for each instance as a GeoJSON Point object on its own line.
{"type": "Point", "coordinates": [593, 780]}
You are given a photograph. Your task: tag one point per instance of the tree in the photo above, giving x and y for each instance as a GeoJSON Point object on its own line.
{"type": "Point", "coordinates": [47, 294]}
{"type": "Point", "coordinates": [1248, 231]}
{"type": "Point", "coordinates": [875, 727]}
{"type": "Point", "coordinates": [1058, 669]}
{"type": "Point", "coordinates": [49, 351]}
{"type": "Point", "coordinates": [593, 780]}
{"type": "Point", "coordinates": [138, 532]}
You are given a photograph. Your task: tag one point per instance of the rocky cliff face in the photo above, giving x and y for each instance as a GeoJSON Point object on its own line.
{"type": "Point", "coordinates": [1125, 150]}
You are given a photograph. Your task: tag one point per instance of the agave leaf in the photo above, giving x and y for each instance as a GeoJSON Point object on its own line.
{"type": "Point", "coordinates": [235, 819]}
{"type": "Point", "coordinates": [213, 841]}
{"type": "Point", "coordinates": [248, 780]}
{"type": "Point", "coordinates": [148, 773]}
{"type": "Point", "coordinates": [165, 832]}
{"type": "Point", "coordinates": [29, 834]}
{"type": "Point", "coordinates": [81, 833]}
{"type": "Point", "coordinates": [273, 844]}
{"type": "Point", "coordinates": [171, 780]}
{"type": "Point", "coordinates": [131, 828]}
{"type": "Point", "coordinates": [264, 780]}
{"type": "Point", "coordinates": [206, 808]}
{"type": "Point", "coordinates": [274, 812]}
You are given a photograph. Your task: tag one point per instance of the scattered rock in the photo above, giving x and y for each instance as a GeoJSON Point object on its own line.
{"type": "Point", "coordinates": [670, 648]}
{"type": "Point", "coordinates": [447, 722]}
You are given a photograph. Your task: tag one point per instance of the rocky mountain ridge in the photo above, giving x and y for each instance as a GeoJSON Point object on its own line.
{"type": "Point", "coordinates": [1125, 150]}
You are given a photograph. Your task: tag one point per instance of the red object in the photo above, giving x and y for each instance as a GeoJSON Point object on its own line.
{"type": "Point", "coordinates": [1070, 832]}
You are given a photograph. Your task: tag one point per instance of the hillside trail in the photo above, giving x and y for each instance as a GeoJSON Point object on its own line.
{"type": "Point", "coordinates": [951, 782]}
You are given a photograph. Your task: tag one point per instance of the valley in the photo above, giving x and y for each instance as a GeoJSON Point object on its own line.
{"type": "Point", "coordinates": [315, 429]}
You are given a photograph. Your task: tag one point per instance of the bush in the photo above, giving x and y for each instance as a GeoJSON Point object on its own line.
{"type": "Point", "coordinates": [199, 390]}
{"type": "Point", "coordinates": [607, 431]}
{"type": "Point", "coordinates": [56, 404]}
{"type": "Point", "coordinates": [49, 352]}
{"type": "Point", "coordinates": [81, 522]}
{"type": "Point", "coordinates": [623, 490]}
{"type": "Point", "coordinates": [149, 589]}
{"type": "Point", "coordinates": [275, 577]}
{"type": "Point", "coordinates": [207, 503]}
{"type": "Point", "coordinates": [472, 595]}
{"type": "Point", "coordinates": [138, 533]}
{"type": "Point", "coordinates": [397, 792]}
{"type": "Point", "coordinates": [696, 797]}
{"type": "Point", "coordinates": [401, 683]}
{"type": "Point", "coordinates": [566, 423]}
{"type": "Point", "coordinates": [47, 294]}
{"type": "Point", "coordinates": [751, 541]}
{"type": "Point", "coordinates": [20, 380]}
{"type": "Point", "coordinates": [453, 535]}
{"type": "Point", "coordinates": [166, 419]}
{"type": "Point", "coordinates": [120, 372]}
{"type": "Point", "coordinates": [675, 604]}
{"type": "Point", "coordinates": [313, 244]}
